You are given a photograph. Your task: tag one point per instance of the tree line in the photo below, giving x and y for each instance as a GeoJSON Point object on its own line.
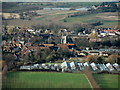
{"type": "Point", "coordinates": [114, 58]}
{"type": "Point", "coordinates": [111, 7]}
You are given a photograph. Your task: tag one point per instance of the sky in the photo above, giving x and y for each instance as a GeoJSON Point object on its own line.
{"type": "Point", "coordinates": [58, 0]}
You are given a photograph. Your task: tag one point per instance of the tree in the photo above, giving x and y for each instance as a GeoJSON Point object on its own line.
{"type": "Point", "coordinates": [8, 63]}
{"type": "Point", "coordinates": [94, 35]}
{"type": "Point", "coordinates": [37, 40]}
{"type": "Point", "coordinates": [112, 7]}
{"type": "Point", "coordinates": [26, 59]}
{"type": "Point", "coordinates": [82, 42]}
{"type": "Point", "coordinates": [94, 44]}
{"type": "Point", "coordinates": [8, 58]}
{"type": "Point", "coordinates": [113, 59]}
{"type": "Point", "coordinates": [32, 58]}
{"type": "Point", "coordinates": [64, 53]}
{"type": "Point", "coordinates": [100, 59]}
{"type": "Point", "coordinates": [38, 54]}
{"type": "Point", "coordinates": [53, 56]}
{"type": "Point", "coordinates": [65, 20]}
{"type": "Point", "coordinates": [77, 28]}
{"type": "Point", "coordinates": [50, 57]}
{"type": "Point", "coordinates": [91, 58]}
{"type": "Point", "coordinates": [42, 54]}
{"type": "Point", "coordinates": [10, 30]}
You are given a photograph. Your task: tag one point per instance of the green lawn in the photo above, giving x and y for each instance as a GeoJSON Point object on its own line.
{"type": "Point", "coordinates": [107, 80]}
{"type": "Point", "coordinates": [46, 80]}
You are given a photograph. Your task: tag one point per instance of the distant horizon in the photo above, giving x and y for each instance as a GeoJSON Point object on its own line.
{"type": "Point", "coordinates": [59, 0]}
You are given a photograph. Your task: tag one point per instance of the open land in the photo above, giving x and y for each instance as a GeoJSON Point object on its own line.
{"type": "Point", "coordinates": [58, 16]}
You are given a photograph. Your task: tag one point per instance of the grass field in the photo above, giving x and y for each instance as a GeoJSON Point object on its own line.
{"type": "Point", "coordinates": [57, 80]}
{"type": "Point", "coordinates": [46, 80]}
{"type": "Point", "coordinates": [107, 80]}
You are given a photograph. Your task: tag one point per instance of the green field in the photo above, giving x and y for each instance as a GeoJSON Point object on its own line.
{"type": "Point", "coordinates": [92, 18]}
{"type": "Point", "coordinates": [107, 80]}
{"type": "Point", "coordinates": [57, 80]}
{"type": "Point", "coordinates": [46, 80]}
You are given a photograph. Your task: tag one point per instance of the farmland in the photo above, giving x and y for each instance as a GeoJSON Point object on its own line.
{"type": "Point", "coordinates": [46, 80]}
{"type": "Point", "coordinates": [58, 16]}
{"type": "Point", "coordinates": [105, 18]}
{"type": "Point", "coordinates": [47, 16]}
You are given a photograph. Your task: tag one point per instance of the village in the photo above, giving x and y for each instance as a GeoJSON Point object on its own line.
{"type": "Point", "coordinates": [30, 43]}
{"type": "Point", "coordinates": [48, 44]}
{"type": "Point", "coordinates": [31, 50]}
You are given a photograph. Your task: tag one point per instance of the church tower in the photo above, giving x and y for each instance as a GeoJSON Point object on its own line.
{"type": "Point", "coordinates": [63, 39]}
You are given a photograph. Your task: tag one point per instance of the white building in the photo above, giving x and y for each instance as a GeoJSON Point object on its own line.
{"type": "Point", "coordinates": [25, 68]}
{"type": "Point", "coordinates": [103, 34]}
{"type": "Point", "coordinates": [117, 67]}
{"type": "Point", "coordinates": [109, 66]}
{"type": "Point", "coordinates": [81, 66]}
{"type": "Point", "coordinates": [73, 65]}
{"type": "Point", "coordinates": [111, 34]}
{"type": "Point", "coordinates": [86, 64]}
{"type": "Point", "coordinates": [94, 66]}
{"type": "Point", "coordinates": [101, 67]}
{"type": "Point", "coordinates": [65, 66]}
{"type": "Point", "coordinates": [30, 30]}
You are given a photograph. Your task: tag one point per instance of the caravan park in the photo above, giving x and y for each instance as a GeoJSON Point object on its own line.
{"type": "Point", "coordinates": [69, 75]}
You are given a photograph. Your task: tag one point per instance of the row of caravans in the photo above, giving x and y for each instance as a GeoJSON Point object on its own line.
{"type": "Point", "coordinates": [73, 67]}
{"type": "Point", "coordinates": [93, 66]}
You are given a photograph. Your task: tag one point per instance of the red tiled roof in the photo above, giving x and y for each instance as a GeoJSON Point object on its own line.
{"type": "Point", "coordinates": [111, 30]}
{"type": "Point", "coordinates": [28, 44]}
{"type": "Point", "coordinates": [70, 44]}
{"type": "Point", "coordinates": [44, 47]}
{"type": "Point", "coordinates": [62, 46]}
{"type": "Point", "coordinates": [36, 47]}
{"type": "Point", "coordinates": [71, 50]}
{"type": "Point", "coordinates": [33, 47]}
{"type": "Point", "coordinates": [48, 45]}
